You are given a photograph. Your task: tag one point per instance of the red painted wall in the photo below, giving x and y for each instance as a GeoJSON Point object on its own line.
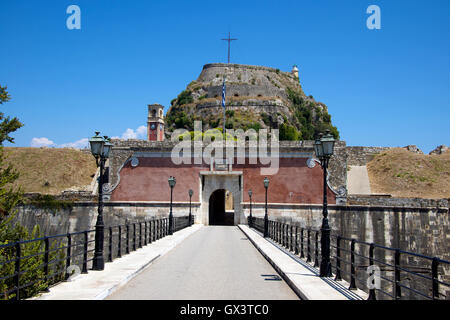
{"type": "Point", "coordinates": [148, 182]}
{"type": "Point", "coordinates": [294, 183]}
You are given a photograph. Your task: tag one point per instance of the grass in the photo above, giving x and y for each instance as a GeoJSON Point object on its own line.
{"type": "Point", "coordinates": [406, 174]}
{"type": "Point", "coordinates": [51, 170]}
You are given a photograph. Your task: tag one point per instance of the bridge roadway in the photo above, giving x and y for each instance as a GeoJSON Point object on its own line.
{"type": "Point", "coordinates": [216, 262]}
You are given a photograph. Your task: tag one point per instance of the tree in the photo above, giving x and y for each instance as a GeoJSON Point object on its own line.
{"type": "Point", "coordinates": [288, 133]}
{"type": "Point", "coordinates": [10, 232]}
{"type": "Point", "coordinates": [7, 125]}
{"type": "Point", "coordinates": [9, 197]}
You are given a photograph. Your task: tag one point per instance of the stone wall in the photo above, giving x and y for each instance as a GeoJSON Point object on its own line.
{"type": "Point", "coordinates": [83, 215]}
{"type": "Point", "coordinates": [422, 230]}
{"type": "Point", "coordinates": [360, 156]}
{"type": "Point", "coordinates": [246, 80]}
{"type": "Point", "coordinates": [271, 106]}
{"type": "Point", "coordinates": [376, 200]}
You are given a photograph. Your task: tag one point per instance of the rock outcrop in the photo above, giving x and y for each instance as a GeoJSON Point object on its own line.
{"type": "Point", "coordinates": [439, 149]}
{"type": "Point", "coordinates": [413, 148]}
{"type": "Point", "coordinates": [256, 97]}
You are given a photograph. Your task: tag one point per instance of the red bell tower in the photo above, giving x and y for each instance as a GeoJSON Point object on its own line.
{"type": "Point", "coordinates": [155, 122]}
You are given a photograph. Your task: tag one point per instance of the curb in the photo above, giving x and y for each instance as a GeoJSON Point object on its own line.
{"type": "Point", "coordinates": [302, 278]}
{"type": "Point", "coordinates": [277, 269]}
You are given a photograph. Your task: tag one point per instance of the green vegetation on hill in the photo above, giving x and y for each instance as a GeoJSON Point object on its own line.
{"type": "Point", "coordinates": [310, 118]}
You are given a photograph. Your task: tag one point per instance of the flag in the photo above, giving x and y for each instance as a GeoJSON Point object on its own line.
{"type": "Point", "coordinates": [223, 93]}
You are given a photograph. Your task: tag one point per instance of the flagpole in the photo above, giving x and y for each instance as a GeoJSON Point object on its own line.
{"type": "Point", "coordinates": [224, 102]}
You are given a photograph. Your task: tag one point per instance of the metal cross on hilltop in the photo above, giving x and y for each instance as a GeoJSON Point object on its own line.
{"type": "Point", "coordinates": [229, 43]}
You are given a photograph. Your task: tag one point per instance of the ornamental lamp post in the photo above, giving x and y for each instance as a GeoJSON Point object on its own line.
{"type": "Point", "coordinates": [172, 182]}
{"type": "Point", "coordinates": [100, 149]}
{"type": "Point", "coordinates": [324, 148]}
{"type": "Point", "coordinates": [190, 201]}
{"type": "Point", "coordinates": [250, 216]}
{"type": "Point", "coordinates": [266, 217]}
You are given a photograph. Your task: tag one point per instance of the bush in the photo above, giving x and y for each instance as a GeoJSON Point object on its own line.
{"type": "Point", "coordinates": [47, 201]}
{"type": "Point", "coordinates": [309, 127]}
{"type": "Point", "coordinates": [288, 133]}
{"type": "Point", "coordinates": [185, 97]}
{"type": "Point", "coordinates": [183, 121]}
{"type": "Point", "coordinates": [256, 126]}
{"type": "Point", "coordinates": [32, 266]}
{"type": "Point", "coordinates": [229, 113]}
{"type": "Point", "coordinates": [229, 124]}
{"type": "Point", "coordinates": [214, 123]}
{"type": "Point", "coordinates": [265, 118]}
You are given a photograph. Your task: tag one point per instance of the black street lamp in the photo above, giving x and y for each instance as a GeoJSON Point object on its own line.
{"type": "Point", "coordinates": [250, 216]}
{"type": "Point", "coordinates": [266, 217]}
{"type": "Point", "coordinates": [172, 182]}
{"type": "Point", "coordinates": [100, 148]}
{"type": "Point", "coordinates": [190, 201]}
{"type": "Point", "coordinates": [324, 147]}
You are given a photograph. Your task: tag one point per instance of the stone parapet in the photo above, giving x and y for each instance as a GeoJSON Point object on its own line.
{"type": "Point", "coordinates": [360, 156]}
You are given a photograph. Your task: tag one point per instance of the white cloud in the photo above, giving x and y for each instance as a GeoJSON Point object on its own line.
{"type": "Point", "coordinates": [129, 134]}
{"type": "Point", "coordinates": [142, 131]}
{"type": "Point", "coordinates": [79, 144]}
{"type": "Point", "coordinates": [45, 142]}
{"type": "Point", "coordinates": [139, 133]}
{"type": "Point", "coordinates": [41, 142]}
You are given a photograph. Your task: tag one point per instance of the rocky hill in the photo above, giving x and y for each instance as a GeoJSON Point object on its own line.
{"type": "Point", "coordinates": [256, 97]}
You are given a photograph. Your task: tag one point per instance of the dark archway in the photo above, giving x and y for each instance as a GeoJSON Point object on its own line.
{"type": "Point", "coordinates": [217, 214]}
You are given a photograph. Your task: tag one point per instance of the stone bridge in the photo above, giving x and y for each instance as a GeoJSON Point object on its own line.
{"type": "Point", "coordinates": [206, 263]}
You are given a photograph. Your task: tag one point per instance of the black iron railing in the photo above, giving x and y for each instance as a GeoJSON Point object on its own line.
{"type": "Point", "coordinates": [382, 272]}
{"type": "Point", "coordinates": [56, 258]}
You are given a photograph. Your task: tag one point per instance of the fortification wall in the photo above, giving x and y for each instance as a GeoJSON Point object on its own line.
{"type": "Point", "coordinates": [360, 156]}
{"type": "Point", "coordinates": [124, 150]}
{"type": "Point", "coordinates": [376, 200]}
{"type": "Point", "coordinates": [83, 215]}
{"type": "Point", "coordinates": [422, 230]}
{"type": "Point", "coordinates": [245, 80]}
{"type": "Point", "coordinates": [414, 229]}
{"type": "Point", "coordinates": [256, 106]}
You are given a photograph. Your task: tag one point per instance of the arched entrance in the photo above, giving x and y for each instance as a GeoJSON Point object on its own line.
{"type": "Point", "coordinates": [220, 211]}
{"type": "Point", "coordinates": [211, 181]}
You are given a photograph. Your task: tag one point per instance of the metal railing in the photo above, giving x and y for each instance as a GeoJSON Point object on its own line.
{"type": "Point", "coordinates": [380, 271]}
{"type": "Point", "coordinates": [56, 258]}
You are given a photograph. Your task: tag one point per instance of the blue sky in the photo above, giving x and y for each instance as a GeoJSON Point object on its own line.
{"type": "Point", "coordinates": [387, 87]}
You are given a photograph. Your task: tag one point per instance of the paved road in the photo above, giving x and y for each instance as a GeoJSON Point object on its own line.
{"type": "Point", "coordinates": [214, 263]}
